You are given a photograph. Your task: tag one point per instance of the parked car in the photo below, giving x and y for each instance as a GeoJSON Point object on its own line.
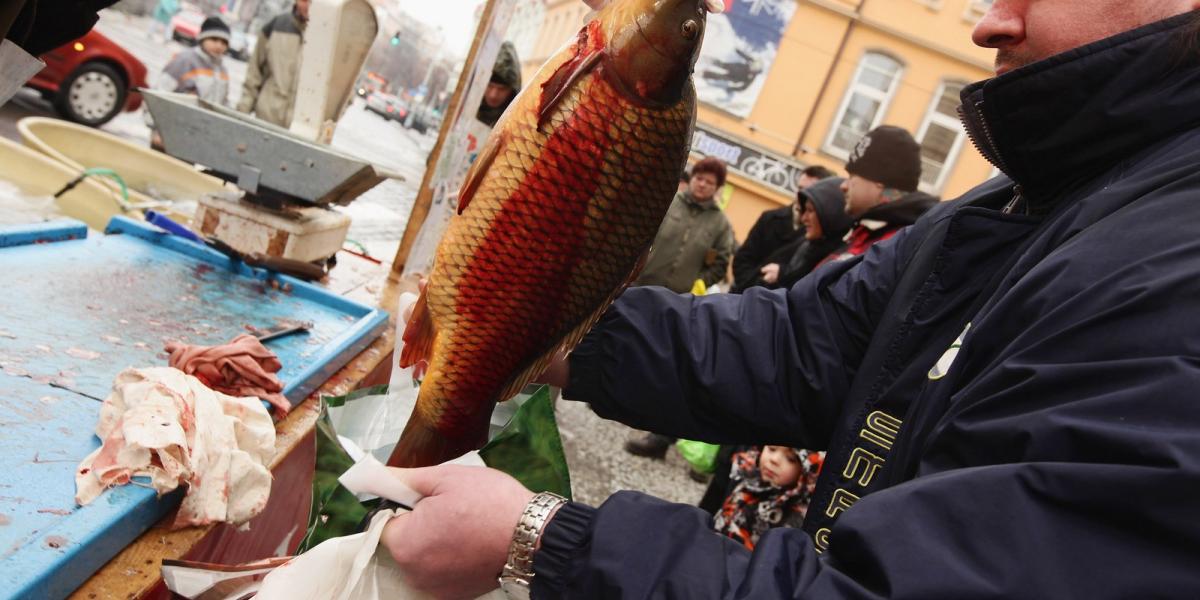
{"type": "Point", "coordinates": [91, 79]}
{"type": "Point", "coordinates": [423, 119]}
{"type": "Point", "coordinates": [369, 83]}
{"type": "Point", "coordinates": [185, 29]}
{"type": "Point", "coordinates": [387, 106]}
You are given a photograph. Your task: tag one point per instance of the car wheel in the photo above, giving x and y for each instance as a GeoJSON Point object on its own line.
{"type": "Point", "coordinates": [92, 95]}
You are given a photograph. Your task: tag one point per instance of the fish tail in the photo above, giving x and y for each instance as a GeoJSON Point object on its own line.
{"type": "Point", "coordinates": [423, 444]}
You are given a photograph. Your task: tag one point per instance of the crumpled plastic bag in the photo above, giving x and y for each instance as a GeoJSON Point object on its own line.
{"type": "Point", "coordinates": [166, 425]}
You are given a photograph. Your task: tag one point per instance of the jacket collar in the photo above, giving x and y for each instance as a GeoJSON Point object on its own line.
{"type": "Point", "coordinates": [691, 201]}
{"type": "Point", "coordinates": [1053, 123]}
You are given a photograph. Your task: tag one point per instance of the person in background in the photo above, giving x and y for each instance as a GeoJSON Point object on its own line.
{"type": "Point", "coordinates": [881, 190]}
{"type": "Point", "coordinates": [823, 213]}
{"type": "Point", "coordinates": [774, 237]}
{"type": "Point", "coordinates": [695, 241]}
{"type": "Point", "coordinates": [503, 86]}
{"type": "Point", "coordinates": [199, 71]}
{"type": "Point", "coordinates": [164, 11]}
{"type": "Point", "coordinates": [273, 71]}
{"type": "Point", "coordinates": [773, 487]}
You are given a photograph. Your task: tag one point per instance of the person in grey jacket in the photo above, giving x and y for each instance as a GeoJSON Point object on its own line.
{"type": "Point", "coordinates": [273, 71]}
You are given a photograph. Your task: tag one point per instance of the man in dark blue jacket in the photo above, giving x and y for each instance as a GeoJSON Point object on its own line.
{"type": "Point", "coordinates": [1007, 389]}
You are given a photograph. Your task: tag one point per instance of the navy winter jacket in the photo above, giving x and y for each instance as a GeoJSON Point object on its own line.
{"type": "Point", "coordinates": [1010, 400]}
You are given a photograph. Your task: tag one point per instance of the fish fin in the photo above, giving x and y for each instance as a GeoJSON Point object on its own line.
{"type": "Point", "coordinates": [573, 338]}
{"type": "Point", "coordinates": [587, 54]}
{"type": "Point", "coordinates": [527, 375]}
{"type": "Point", "coordinates": [478, 169]}
{"type": "Point", "coordinates": [418, 339]}
{"type": "Point", "coordinates": [577, 334]}
{"type": "Point", "coordinates": [423, 445]}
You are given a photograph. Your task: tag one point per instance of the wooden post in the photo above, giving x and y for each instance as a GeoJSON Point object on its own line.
{"type": "Point", "coordinates": [420, 210]}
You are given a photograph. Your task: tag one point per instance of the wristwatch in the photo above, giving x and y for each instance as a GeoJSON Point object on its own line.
{"type": "Point", "coordinates": [518, 569]}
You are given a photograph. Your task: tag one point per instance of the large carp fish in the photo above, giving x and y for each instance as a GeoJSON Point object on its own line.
{"type": "Point", "coordinates": [555, 218]}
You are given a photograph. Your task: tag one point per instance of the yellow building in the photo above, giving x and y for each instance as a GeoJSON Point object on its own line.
{"type": "Point", "coordinates": [833, 70]}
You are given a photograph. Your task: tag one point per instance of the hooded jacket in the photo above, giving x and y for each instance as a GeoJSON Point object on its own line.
{"type": "Point", "coordinates": [507, 71]}
{"type": "Point", "coordinates": [1006, 389]}
{"type": "Point", "coordinates": [829, 202]}
{"type": "Point", "coordinates": [273, 71]}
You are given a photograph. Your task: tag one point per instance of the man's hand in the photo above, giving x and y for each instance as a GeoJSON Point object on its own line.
{"type": "Point", "coordinates": [455, 541]}
{"type": "Point", "coordinates": [770, 273]}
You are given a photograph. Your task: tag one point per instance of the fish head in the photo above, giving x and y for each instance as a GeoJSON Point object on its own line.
{"type": "Point", "coordinates": [652, 45]}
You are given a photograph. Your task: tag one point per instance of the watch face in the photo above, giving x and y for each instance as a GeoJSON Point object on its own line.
{"type": "Point", "coordinates": [515, 589]}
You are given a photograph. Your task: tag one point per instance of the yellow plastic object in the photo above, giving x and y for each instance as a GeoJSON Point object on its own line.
{"type": "Point", "coordinates": [698, 288]}
{"type": "Point", "coordinates": [38, 175]}
{"type": "Point", "coordinates": [151, 176]}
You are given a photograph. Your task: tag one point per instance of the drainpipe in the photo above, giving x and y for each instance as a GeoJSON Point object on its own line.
{"type": "Point", "coordinates": [837, 58]}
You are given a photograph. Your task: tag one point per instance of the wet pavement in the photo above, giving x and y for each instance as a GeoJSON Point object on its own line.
{"type": "Point", "coordinates": [599, 466]}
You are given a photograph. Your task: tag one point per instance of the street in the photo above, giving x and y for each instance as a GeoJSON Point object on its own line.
{"type": "Point", "coordinates": [378, 217]}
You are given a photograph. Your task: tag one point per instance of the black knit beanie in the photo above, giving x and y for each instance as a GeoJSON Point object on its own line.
{"type": "Point", "coordinates": [888, 155]}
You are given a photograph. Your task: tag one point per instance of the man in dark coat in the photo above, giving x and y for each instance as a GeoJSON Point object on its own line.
{"type": "Point", "coordinates": [1006, 389]}
{"type": "Point", "coordinates": [775, 230]}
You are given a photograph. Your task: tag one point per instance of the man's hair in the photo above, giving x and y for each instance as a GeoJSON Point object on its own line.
{"type": "Point", "coordinates": [713, 166]}
{"type": "Point", "coordinates": [817, 172]}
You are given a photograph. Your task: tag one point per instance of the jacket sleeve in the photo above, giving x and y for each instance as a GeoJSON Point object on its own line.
{"type": "Point", "coordinates": [257, 71]}
{"type": "Point", "coordinates": [715, 272]}
{"type": "Point", "coordinates": [748, 256]}
{"type": "Point", "coordinates": [1066, 465]}
{"type": "Point", "coordinates": [766, 366]}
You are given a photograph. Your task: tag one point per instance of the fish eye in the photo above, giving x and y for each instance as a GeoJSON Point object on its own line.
{"type": "Point", "coordinates": [690, 29]}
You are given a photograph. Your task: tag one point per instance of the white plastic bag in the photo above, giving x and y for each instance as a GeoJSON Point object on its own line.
{"type": "Point", "coordinates": [374, 423]}
{"type": "Point", "coordinates": [356, 567]}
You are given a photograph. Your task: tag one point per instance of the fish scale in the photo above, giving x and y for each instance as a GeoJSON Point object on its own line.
{"type": "Point", "coordinates": [550, 235]}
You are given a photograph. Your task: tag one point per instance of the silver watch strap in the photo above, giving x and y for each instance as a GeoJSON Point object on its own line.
{"type": "Point", "coordinates": [525, 536]}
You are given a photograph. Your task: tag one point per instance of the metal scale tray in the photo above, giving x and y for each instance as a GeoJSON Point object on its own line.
{"type": "Point", "coordinates": [257, 156]}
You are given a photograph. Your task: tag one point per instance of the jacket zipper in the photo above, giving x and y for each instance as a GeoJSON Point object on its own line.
{"type": "Point", "coordinates": [987, 147]}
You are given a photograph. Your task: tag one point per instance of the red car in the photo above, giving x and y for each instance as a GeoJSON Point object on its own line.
{"type": "Point", "coordinates": [91, 79]}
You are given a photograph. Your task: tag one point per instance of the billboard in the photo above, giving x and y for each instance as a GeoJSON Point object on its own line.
{"type": "Point", "coordinates": [739, 47]}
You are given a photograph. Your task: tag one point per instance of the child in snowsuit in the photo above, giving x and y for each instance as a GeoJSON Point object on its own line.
{"type": "Point", "coordinates": [772, 488]}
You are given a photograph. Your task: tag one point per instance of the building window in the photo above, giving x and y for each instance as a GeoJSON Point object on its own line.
{"type": "Point", "coordinates": [976, 9]}
{"type": "Point", "coordinates": [865, 102]}
{"type": "Point", "coordinates": [941, 137]}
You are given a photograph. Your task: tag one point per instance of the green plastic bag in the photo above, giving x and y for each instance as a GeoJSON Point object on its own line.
{"type": "Point", "coordinates": [528, 448]}
{"type": "Point", "coordinates": [701, 455]}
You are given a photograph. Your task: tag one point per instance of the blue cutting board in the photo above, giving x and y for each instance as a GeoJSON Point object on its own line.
{"type": "Point", "coordinates": [77, 310]}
